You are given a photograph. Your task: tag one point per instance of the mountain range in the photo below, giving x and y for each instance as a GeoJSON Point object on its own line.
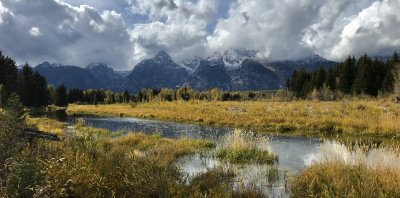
{"type": "Point", "coordinates": [230, 70]}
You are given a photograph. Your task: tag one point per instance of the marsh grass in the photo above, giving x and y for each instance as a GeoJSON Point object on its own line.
{"type": "Point", "coordinates": [47, 125]}
{"type": "Point", "coordinates": [358, 117]}
{"type": "Point", "coordinates": [346, 180]}
{"type": "Point", "coordinates": [241, 147]}
{"type": "Point", "coordinates": [350, 171]}
{"type": "Point", "coordinates": [94, 163]}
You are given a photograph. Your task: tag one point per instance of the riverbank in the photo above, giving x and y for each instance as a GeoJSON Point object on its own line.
{"type": "Point", "coordinates": [95, 163]}
{"type": "Point", "coordinates": [377, 118]}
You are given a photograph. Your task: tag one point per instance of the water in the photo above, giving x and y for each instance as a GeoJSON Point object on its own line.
{"type": "Point", "coordinates": [295, 153]}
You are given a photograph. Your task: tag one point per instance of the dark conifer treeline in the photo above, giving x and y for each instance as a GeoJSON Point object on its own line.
{"type": "Point", "coordinates": [29, 85]}
{"type": "Point", "coordinates": [363, 76]}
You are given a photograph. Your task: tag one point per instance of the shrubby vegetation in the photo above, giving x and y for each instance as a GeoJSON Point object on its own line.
{"type": "Point", "coordinates": [363, 76]}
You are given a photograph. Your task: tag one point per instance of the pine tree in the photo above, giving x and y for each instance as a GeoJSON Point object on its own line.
{"type": "Point", "coordinates": [3, 96]}
{"type": "Point", "coordinates": [330, 79]}
{"type": "Point", "coordinates": [361, 81]}
{"type": "Point", "coordinates": [320, 78]}
{"type": "Point", "coordinates": [346, 75]}
{"type": "Point", "coordinates": [40, 88]}
{"type": "Point", "coordinates": [60, 96]}
{"type": "Point", "coordinates": [8, 74]}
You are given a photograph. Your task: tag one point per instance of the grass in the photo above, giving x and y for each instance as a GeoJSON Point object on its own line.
{"type": "Point", "coordinates": [350, 117]}
{"type": "Point", "coordinates": [241, 147]}
{"type": "Point", "coordinates": [47, 125]}
{"type": "Point", "coordinates": [359, 171]}
{"type": "Point", "coordinates": [94, 163]}
{"type": "Point", "coordinates": [343, 180]}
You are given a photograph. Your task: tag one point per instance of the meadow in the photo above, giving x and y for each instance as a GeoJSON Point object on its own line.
{"type": "Point", "coordinates": [355, 117]}
{"type": "Point", "coordinates": [96, 163]}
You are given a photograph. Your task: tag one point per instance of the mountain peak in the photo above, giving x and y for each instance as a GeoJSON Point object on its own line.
{"type": "Point", "coordinates": [44, 65]}
{"type": "Point", "coordinates": [162, 57]}
{"type": "Point", "coordinates": [96, 65]}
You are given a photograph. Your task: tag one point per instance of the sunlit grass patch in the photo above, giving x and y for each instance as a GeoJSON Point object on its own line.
{"type": "Point", "coordinates": [374, 117]}
{"type": "Point", "coordinates": [47, 125]}
{"type": "Point", "coordinates": [346, 180]}
{"type": "Point", "coordinates": [243, 147]}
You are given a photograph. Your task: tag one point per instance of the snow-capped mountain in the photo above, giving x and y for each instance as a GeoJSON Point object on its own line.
{"type": "Point", "coordinates": [230, 70]}
{"type": "Point", "coordinates": [158, 72]}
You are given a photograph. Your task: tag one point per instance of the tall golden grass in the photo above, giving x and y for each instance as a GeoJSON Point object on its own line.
{"type": "Point", "coordinates": [351, 117]}
{"type": "Point", "coordinates": [93, 163]}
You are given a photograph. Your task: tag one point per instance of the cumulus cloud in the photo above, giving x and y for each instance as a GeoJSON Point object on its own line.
{"type": "Point", "coordinates": [176, 26]}
{"type": "Point", "coordinates": [58, 32]}
{"type": "Point", "coordinates": [293, 29]}
{"type": "Point", "coordinates": [272, 27]}
{"type": "Point", "coordinates": [375, 30]}
{"type": "Point", "coordinates": [108, 31]}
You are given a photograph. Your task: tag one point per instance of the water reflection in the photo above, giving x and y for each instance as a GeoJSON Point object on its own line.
{"type": "Point", "coordinates": [295, 153]}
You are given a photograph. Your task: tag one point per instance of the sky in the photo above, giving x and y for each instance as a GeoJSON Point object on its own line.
{"type": "Point", "coordinates": [124, 32]}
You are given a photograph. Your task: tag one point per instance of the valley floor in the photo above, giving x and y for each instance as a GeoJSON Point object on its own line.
{"type": "Point", "coordinates": [347, 117]}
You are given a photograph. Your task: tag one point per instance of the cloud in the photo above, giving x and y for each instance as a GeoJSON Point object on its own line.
{"type": "Point", "coordinates": [35, 32]}
{"type": "Point", "coordinates": [375, 30]}
{"type": "Point", "coordinates": [4, 14]}
{"type": "Point", "coordinates": [58, 32]}
{"type": "Point", "coordinates": [122, 33]}
{"type": "Point", "coordinates": [176, 26]}
{"type": "Point", "coordinates": [293, 29]}
{"type": "Point", "coordinates": [272, 27]}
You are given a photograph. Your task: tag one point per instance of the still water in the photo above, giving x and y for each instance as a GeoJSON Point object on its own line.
{"type": "Point", "coordinates": [295, 153]}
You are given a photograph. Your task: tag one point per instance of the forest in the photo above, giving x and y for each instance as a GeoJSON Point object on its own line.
{"type": "Point", "coordinates": [365, 75]}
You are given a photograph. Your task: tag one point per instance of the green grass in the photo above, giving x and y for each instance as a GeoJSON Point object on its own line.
{"type": "Point", "coordinates": [246, 156]}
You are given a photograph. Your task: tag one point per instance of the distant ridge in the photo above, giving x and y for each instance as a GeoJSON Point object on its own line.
{"type": "Point", "coordinates": [230, 70]}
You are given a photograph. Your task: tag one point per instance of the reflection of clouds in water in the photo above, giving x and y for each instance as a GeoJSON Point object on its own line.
{"type": "Point", "coordinates": [196, 164]}
{"type": "Point", "coordinates": [332, 151]}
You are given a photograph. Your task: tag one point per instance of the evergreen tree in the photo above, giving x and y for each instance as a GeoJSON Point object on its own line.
{"type": "Point", "coordinates": [26, 86]}
{"type": "Point", "coordinates": [40, 88]}
{"type": "Point", "coordinates": [320, 78]}
{"type": "Point", "coordinates": [330, 79]}
{"type": "Point", "coordinates": [346, 75]}
{"type": "Point", "coordinates": [3, 96]}
{"type": "Point", "coordinates": [60, 96]}
{"type": "Point", "coordinates": [8, 74]}
{"type": "Point", "coordinates": [126, 97]}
